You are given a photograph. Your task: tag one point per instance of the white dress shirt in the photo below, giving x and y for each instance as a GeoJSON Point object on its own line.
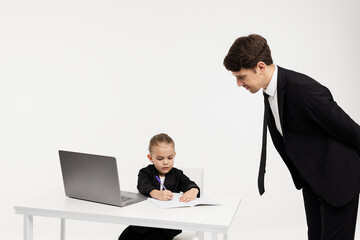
{"type": "Point", "coordinates": [162, 179]}
{"type": "Point", "coordinates": [271, 90]}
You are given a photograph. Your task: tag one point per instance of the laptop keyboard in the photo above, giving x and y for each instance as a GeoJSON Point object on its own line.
{"type": "Point", "coordinates": [125, 198]}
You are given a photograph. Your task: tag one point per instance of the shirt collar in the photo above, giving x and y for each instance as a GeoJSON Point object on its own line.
{"type": "Point", "coordinates": [271, 88]}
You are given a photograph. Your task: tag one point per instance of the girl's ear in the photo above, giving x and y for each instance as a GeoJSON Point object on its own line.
{"type": "Point", "coordinates": [150, 158]}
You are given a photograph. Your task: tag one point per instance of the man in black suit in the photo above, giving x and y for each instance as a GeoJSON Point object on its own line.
{"type": "Point", "coordinates": [318, 141]}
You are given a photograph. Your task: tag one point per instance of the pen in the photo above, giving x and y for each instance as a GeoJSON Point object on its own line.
{"type": "Point", "coordinates": [160, 182]}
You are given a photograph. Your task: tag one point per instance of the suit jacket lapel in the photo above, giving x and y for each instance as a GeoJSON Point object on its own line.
{"type": "Point", "coordinates": [281, 84]}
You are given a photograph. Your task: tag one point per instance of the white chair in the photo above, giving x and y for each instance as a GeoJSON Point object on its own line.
{"type": "Point", "coordinates": [196, 175]}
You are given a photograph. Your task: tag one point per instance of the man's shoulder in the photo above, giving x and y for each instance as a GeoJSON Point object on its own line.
{"type": "Point", "coordinates": [295, 79]}
{"type": "Point", "coordinates": [300, 85]}
{"type": "Point", "coordinates": [291, 73]}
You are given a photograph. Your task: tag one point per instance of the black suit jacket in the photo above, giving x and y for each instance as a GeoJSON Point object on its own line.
{"type": "Point", "coordinates": [320, 143]}
{"type": "Point", "coordinates": [175, 181]}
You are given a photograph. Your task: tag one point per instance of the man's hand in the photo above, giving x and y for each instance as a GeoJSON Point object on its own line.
{"type": "Point", "coordinates": [164, 195]}
{"type": "Point", "coordinates": [189, 195]}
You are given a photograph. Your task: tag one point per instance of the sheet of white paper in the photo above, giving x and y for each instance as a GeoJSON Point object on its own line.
{"type": "Point", "coordinates": [175, 202]}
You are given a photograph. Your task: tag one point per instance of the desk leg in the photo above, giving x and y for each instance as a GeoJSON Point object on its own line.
{"type": "Point", "coordinates": [225, 236]}
{"type": "Point", "coordinates": [62, 229]}
{"type": "Point", "coordinates": [28, 227]}
{"type": "Point", "coordinates": [214, 236]}
{"type": "Point", "coordinates": [200, 235]}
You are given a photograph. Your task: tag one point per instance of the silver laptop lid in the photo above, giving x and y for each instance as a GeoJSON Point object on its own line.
{"type": "Point", "coordinates": [90, 177]}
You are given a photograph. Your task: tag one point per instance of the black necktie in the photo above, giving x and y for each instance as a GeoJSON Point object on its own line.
{"type": "Point", "coordinates": [263, 149]}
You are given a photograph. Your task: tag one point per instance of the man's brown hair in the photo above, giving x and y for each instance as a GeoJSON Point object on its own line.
{"type": "Point", "coordinates": [246, 52]}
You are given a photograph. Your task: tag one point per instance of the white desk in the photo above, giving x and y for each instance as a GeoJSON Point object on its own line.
{"type": "Point", "coordinates": [214, 219]}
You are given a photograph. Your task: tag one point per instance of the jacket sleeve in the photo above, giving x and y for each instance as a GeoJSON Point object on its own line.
{"type": "Point", "coordinates": [145, 185]}
{"type": "Point", "coordinates": [186, 184]}
{"type": "Point", "coordinates": [318, 105]}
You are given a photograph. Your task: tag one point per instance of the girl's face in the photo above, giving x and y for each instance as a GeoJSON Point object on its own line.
{"type": "Point", "coordinates": [162, 156]}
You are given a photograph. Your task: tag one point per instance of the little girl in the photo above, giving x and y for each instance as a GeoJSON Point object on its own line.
{"type": "Point", "coordinates": [159, 180]}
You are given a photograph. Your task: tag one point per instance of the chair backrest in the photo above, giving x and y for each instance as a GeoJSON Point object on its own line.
{"type": "Point", "coordinates": [196, 175]}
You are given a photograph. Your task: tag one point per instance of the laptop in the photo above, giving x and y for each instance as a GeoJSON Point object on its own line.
{"type": "Point", "coordinates": [94, 178]}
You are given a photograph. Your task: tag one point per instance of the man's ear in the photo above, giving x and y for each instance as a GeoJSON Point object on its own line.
{"type": "Point", "coordinates": [261, 66]}
{"type": "Point", "coordinates": [150, 158]}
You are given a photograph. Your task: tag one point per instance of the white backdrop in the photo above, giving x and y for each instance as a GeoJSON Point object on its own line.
{"type": "Point", "coordinates": [105, 76]}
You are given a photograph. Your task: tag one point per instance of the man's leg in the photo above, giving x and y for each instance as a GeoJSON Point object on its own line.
{"type": "Point", "coordinates": [313, 214]}
{"type": "Point", "coordinates": [339, 222]}
{"type": "Point", "coordinates": [326, 222]}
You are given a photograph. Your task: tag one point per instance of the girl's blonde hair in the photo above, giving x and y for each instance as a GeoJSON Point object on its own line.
{"type": "Point", "coordinates": [160, 138]}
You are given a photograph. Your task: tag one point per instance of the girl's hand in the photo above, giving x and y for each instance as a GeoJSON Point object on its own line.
{"type": "Point", "coordinates": [189, 195]}
{"type": "Point", "coordinates": [164, 195]}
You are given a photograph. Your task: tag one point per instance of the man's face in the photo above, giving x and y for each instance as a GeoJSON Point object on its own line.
{"type": "Point", "coordinates": [250, 79]}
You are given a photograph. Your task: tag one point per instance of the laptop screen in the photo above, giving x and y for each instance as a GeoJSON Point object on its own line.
{"type": "Point", "coordinates": [90, 177]}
